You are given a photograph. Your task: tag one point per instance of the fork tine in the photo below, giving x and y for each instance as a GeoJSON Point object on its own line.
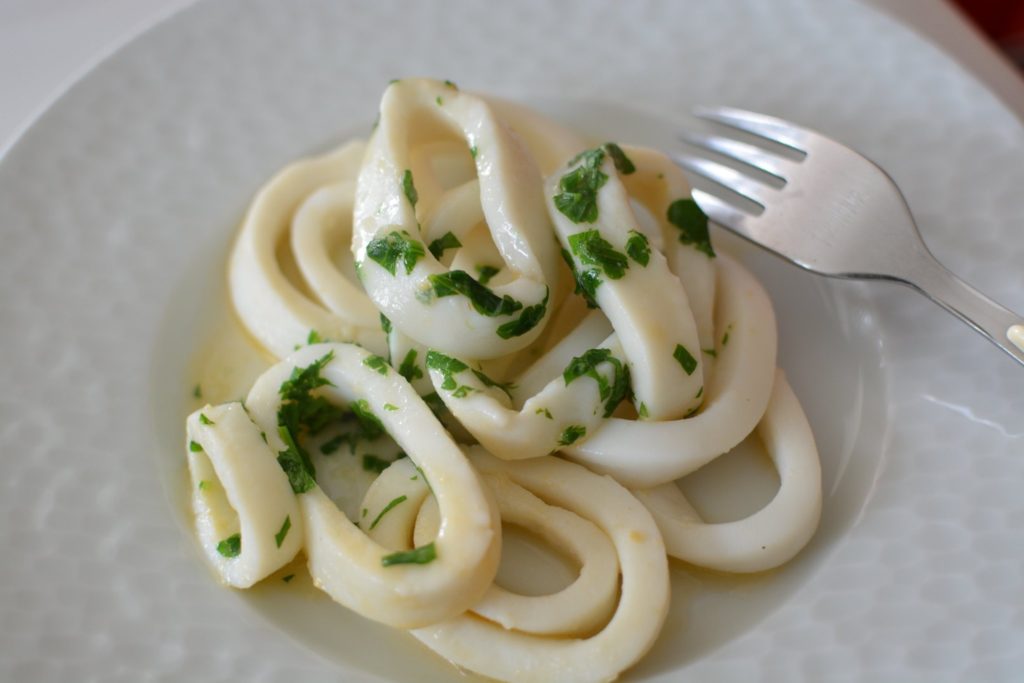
{"type": "Point", "coordinates": [721, 212]}
{"type": "Point", "coordinates": [742, 152]}
{"type": "Point", "coordinates": [767, 127]}
{"type": "Point", "coordinates": [728, 178]}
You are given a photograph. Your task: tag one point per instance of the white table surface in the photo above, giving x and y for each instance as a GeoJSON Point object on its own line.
{"type": "Point", "coordinates": [45, 45]}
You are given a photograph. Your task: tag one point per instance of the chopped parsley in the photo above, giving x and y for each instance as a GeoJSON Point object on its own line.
{"type": "Point", "coordinates": [473, 151]}
{"type": "Point", "coordinates": [572, 434]}
{"type": "Point", "coordinates": [483, 299]}
{"type": "Point", "coordinates": [197, 392]}
{"type": "Point", "coordinates": [545, 412]}
{"type": "Point", "coordinates": [577, 196]}
{"type": "Point", "coordinates": [593, 250]}
{"type": "Point", "coordinates": [195, 447]}
{"type": "Point", "coordinates": [205, 420]}
{"type": "Point", "coordinates": [395, 245]}
{"type": "Point", "coordinates": [435, 403]}
{"type": "Point", "coordinates": [612, 393]}
{"type": "Point", "coordinates": [485, 273]}
{"type": "Point", "coordinates": [643, 410]}
{"type": "Point", "coordinates": [314, 338]}
{"type": "Point", "coordinates": [422, 555]}
{"type": "Point", "coordinates": [622, 163]}
{"type": "Point", "coordinates": [279, 536]}
{"type": "Point", "coordinates": [385, 324]}
{"type": "Point", "coordinates": [204, 485]}
{"type": "Point", "coordinates": [527, 320]}
{"type": "Point", "coordinates": [725, 337]}
{"type": "Point", "coordinates": [409, 369]}
{"type": "Point", "coordinates": [711, 352]}
{"type": "Point", "coordinates": [638, 248]}
{"type": "Point", "coordinates": [686, 215]}
{"type": "Point", "coordinates": [442, 243]}
{"type": "Point", "coordinates": [387, 508]}
{"type": "Point", "coordinates": [447, 366]}
{"type": "Point", "coordinates": [409, 188]}
{"type": "Point", "coordinates": [376, 363]}
{"type": "Point", "coordinates": [299, 469]}
{"type": "Point", "coordinates": [330, 447]}
{"type": "Point", "coordinates": [439, 100]}
{"type": "Point", "coordinates": [390, 407]}
{"type": "Point", "coordinates": [375, 463]}
{"type": "Point", "coordinates": [288, 578]}
{"type": "Point", "coordinates": [587, 281]}
{"type": "Point", "coordinates": [370, 426]}
{"type": "Point", "coordinates": [230, 546]}
{"type": "Point", "coordinates": [700, 392]}
{"type": "Point", "coordinates": [685, 359]}
{"type": "Point", "coordinates": [488, 382]}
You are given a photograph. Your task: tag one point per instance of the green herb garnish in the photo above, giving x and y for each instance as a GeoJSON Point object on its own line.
{"type": "Point", "coordinates": [204, 485]}
{"type": "Point", "coordinates": [643, 410]}
{"type": "Point", "coordinates": [375, 463]}
{"type": "Point", "coordinates": [638, 248]}
{"type": "Point", "coordinates": [686, 215]}
{"type": "Point", "coordinates": [295, 463]}
{"type": "Point", "coordinates": [545, 412]}
{"type": "Point", "coordinates": [409, 369]}
{"type": "Point", "coordinates": [395, 245]}
{"type": "Point", "coordinates": [376, 363]}
{"type": "Point", "coordinates": [485, 273]}
{"type": "Point", "coordinates": [314, 338]}
{"type": "Point", "coordinates": [587, 281]}
{"type": "Point", "coordinates": [330, 447]}
{"type": "Point", "coordinates": [288, 578]}
{"type": "Point", "coordinates": [205, 420]}
{"type": "Point", "coordinates": [387, 508]}
{"type": "Point", "coordinates": [197, 392]}
{"type": "Point", "coordinates": [612, 393]}
{"type": "Point", "coordinates": [711, 352]}
{"type": "Point", "coordinates": [527, 320]}
{"type": "Point", "coordinates": [422, 555]}
{"type": "Point", "coordinates": [370, 425]}
{"type": "Point", "coordinates": [195, 447]}
{"type": "Point", "coordinates": [593, 250]}
{"type": "Point", "coordinates": [488, 382]}
{"type": "Point", "coordinates": [445, 241]}
{"type": "Point", "coordinates": [483, 299]}
{"type": "Point", "coordinates": [572, 434]}
{"type": "Point", "coordinates": [447, 366]}
{"type": "Point", "coordinates": [409, 188]}
{"type": "Point", "coordinates": [577, 196]}
{"type": "Point", "coordinates": [622, 163]}
{"type": "Point", "coordinates": [279, 536]}
{"type": "Point", "coordinates": [230, 546]}
{"type": "Point", "coordinates": [385, 324]}
{"type": "Point", "coordinates": [390, 407]}
{"type": "Point", "coordinates": [685, 359]}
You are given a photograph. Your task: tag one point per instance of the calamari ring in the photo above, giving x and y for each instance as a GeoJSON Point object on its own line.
{"type": "Point", "coordinates": [771, 536]}
{"type": "Point", "coordinates": [343, 561]}
{"type": "Point", "coordinates": [387, 226]}
{"type": "Point", "coordinates": [489, 649]}
{"type": "Point", "coordinates": [238, 487]}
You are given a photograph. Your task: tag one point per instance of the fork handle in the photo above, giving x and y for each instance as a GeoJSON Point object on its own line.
{"type": "Point", "coordinates": [998, 324]}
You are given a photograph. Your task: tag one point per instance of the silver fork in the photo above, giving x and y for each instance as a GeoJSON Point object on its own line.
{"type": "Point", "coordinates": [836, 214]}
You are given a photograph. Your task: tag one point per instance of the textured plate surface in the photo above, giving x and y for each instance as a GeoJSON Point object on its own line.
{"type": "Point", "coordinates": [120, 201]}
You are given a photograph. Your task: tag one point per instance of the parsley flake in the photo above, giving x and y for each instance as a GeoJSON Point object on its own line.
{"type": "Point", "coordinates": [638, 248]}
{"type": "Point", "coordinates": [375, 463]}
{"type": "Point", "coordinates": [331, 447]}
{"type": "Point", "coordinates": [422, 555]}
{"type": "Point", "coordinates": [685, 359]}
{"type": "Point", "coordinates": [447, 366]}
{"type": "Point", "coordinates": [409, 189]}
{"type": "Point", "coordinates": [369, 424]}
{"type": "Point", "coordinates": [592, 249]}
{"type": "Point", "coordinates": [612, 393]}
{"type": "Point", "coordinates": [204, 485]}
{"type": "Point", "coordinates": [622, 163]}
{"type": "Point", "coordinates": [577, 196]}
{"type": "Point", "coordinates": [376, 363]}
{"type": "Point", "coordinates": [396, 245]}
{"type": "Point", "coordinates": [451, 85]}
{"type": "Point", "coordinates": [230, 546]}
{"type": "Point", "coordinates": [587, 281]}
{"type": "Point", "coordinates": [485, 301]}
{"type": "Point", "coordinates": [279, 536]}
{"type": "Point", "coordinates": [195, 447]}
{"type": "Point", "coordinates": [390, 407]}
{"type": "Point", "coordinates": [485, 273]}
{"type": "Point", "coordinates": [314, 338]}
{"type": "Point", "coordinates": [298, 468]}
{"type": "Point", "coordinates": [572, 434]}
{"type": "Point", "coordinates": [288, 578]}
{"type": "Point", "coordinates": [545, 412]}
{"type": "Point", "coordinates": [643, 411]}
{"type": "Point", "coordinates": [473, 151]}
{"type": "Point", "coordinates": [197, 392]}
{"type": "Point", "coordinates": [442, 243]}
{"type": "Point", "coordinates": [488, 382]}
{"type": "Point", "coordinates": [385, 324]}
{"type": "Point", "coordinates": [686, 215]}
{"type": "Point", "coordinates": [387, 508]}
{"type": "Point", "coordinates": [527, 320]}
{"type": "Point", "coordinates": [409, 369]}
{"type": "Point", "coordinates": [205, 420]}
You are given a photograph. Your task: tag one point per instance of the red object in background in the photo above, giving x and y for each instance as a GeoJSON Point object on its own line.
{"type": "Point", "coordinates": [1002, 21]}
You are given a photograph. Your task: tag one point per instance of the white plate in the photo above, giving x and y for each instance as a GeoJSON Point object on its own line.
{"type": "Point", "coordinates": [118, 207]}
